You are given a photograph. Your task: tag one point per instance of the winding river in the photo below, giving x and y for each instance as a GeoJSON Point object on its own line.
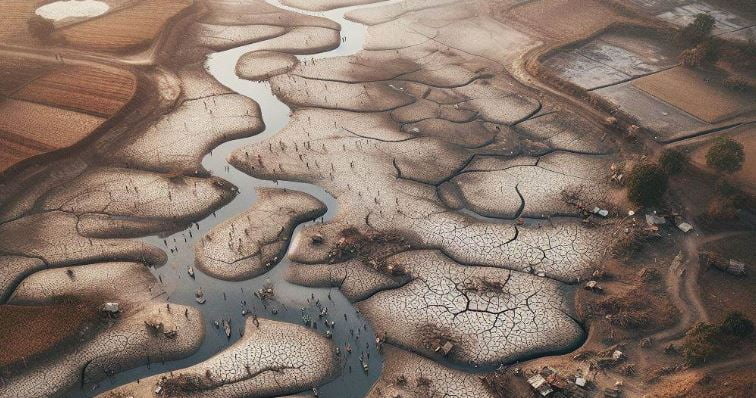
{"type": "Point", "coordinates": [225, 300]}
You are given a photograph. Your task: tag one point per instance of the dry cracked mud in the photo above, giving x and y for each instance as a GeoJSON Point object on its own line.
{"type": "Point", "coordinates": [272, 359]}
{"type": "Point", "coordinates": [422, 135]}
{"type": "Point", "coordinates": [111, 344]}
{"type": "Point", "coordinates": [256, 240]}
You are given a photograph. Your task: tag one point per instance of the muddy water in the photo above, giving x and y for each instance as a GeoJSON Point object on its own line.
{"type": "Point", "coordinates": [227, 300]}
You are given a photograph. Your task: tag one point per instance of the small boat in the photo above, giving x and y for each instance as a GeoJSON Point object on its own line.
{"type": "Point", "coordinates": [199, 296]}
{"type": "Point", "coordinates": [190, 271]}
{"type": "Point", "coordinates": [227, 328]}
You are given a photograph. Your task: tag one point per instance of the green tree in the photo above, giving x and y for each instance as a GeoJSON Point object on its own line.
{"type": "Point", "coordinates": [673, 161]}
{"type": "Point", "coordinates": [726, 155]}
{"type": "Point", "coordinates": [696, 31]}
{"type": "Point", "coordinates": [646, 184]}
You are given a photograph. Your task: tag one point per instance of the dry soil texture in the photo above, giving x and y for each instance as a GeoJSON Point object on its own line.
{"type": "Point", "coordinates": [271, 359]}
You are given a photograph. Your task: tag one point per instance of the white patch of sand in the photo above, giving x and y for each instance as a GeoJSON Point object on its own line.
{"type": "Point", "coordinates": [60, 10]}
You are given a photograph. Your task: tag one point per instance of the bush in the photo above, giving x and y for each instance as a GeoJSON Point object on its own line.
{"type": "Point", "coordinates": [726, 155]}
{"type": "Point", "coordinates": [696, 31]}
{"type": "Point", "coordinates": [706, 342]}
{"type": "Point", "coordinates": [646, 184]}
{"type": "Point", "coordinates": [40, 27]}
{"type": "Point", "coordinates": [738, 84]}
{"type": "Point", "coordinates": [673, 161]}
{"type": "Point", "coordinates": [702, 344]}
{"type": "Point", "coordinates": [721, 208]}
{"type": "Point", "coordinates": [705, 53]}
{"type": "Point", "coordinates": [737, 324]}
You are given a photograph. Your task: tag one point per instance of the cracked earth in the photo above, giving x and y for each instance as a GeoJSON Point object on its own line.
{"type": "Point", "coordinates": [422, 134]}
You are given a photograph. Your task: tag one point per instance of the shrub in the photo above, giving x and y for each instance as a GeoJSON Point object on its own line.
{"type": "Point", "coordinates": [726, 155]}
{"type": "Point", "coordinates": [705, 342]}
{"type": "Point", "coordinates": [673, 161]}
{"type": "Point", "coordinates": [702, 344]}
{"type": "Point", "coordinates": [646, 184]}
{"type": "Point", "coordinates": [705, 53]}
{"type": "Point", "coordinates": [721, 208]}
{"type": "Point", "coordinates": [696, 31]}
{"type": "Point", "coordinates": [737, 324]}
{"type": "Point", "coordinates": [40, 27]}
{"type": "Point", "coordinates": [738, 84]}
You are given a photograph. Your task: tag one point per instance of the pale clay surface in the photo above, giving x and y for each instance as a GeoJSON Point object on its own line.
{"type": "Point", "coordinates": [256, 240]}
{"type": "Point", "coordinates": [386, 142]}
{"type": "Point", "coordinates": [123, 344]}
{"type": "Point", "coordinates": [271, 359]}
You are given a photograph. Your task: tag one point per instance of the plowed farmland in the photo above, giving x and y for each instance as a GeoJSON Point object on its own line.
{"type": "Point", "coordinates": [128, 29]}
{"type": "Point", "coordinates": [44, 107]}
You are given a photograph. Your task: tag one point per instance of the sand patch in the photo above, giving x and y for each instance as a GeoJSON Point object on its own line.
{"type": "Point", "coordinates": [61, 10]}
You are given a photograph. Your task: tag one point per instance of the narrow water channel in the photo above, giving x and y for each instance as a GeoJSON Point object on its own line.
{"type": "Point", "coordinates": [225, 300]}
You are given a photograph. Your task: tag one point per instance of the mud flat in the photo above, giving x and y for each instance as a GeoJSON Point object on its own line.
{"type": "Point", "coordinates": [257, 239]}
{"type": "Point", "coordinates": [273, 358]}
{"type": "Point", "coordinates": [413, 376]}
{"type": "Point", "coordinates": [325, 5]}
{"type": "Point", "coordinates": [262, 65]}
{"type": "Point", "coordinates": [374, 143]}
{"type": "Point", "coordinates": [144, 328]}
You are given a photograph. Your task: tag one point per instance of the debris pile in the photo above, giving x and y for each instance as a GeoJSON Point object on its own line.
{"type": "Point", "coordinates": [549, 383]}
{"type": "Point", "coordinates": [111, 309]}
{"type": "Point", "coordinates": [159, 323]}
{"type": "Point", "coordinates": [371, 248]}
{"type": "Point", "coordinates": [731, 266]}
{"type": "Point", "coordinates": [266, 292]}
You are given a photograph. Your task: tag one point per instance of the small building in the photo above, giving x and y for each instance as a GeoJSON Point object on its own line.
{"type": "Point", "coordinates": [539, 384]}
{"type": "Point", "coordinates": [653, 219]}
{"type": "Point", "coordinates": [111, 308]}
{"type": "Point", "coordinates": [685, 227]}
{"type": "Point", "coordinates": [736, 267]}
{"type": "Point", "coordinates": [446, 348]}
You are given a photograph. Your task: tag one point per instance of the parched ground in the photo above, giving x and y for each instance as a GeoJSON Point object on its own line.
{"type": "Point", "coordinates": [67, 227]}
{"type": "Point", "coordinates": [256, 240]}
{"type": "Point", "coordinates": [389, 142]}
{"type": "Point", "coordinates": [271, 359]}
{"type": "Point", "coordinates": [41, 97]}
{"type": "Point", "coordinates": [103, 345]}
{"type": "Point", "coordinates": [465, 197]}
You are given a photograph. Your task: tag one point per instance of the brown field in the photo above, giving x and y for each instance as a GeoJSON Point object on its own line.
{"type": "Point", "coordinates": [128, 29]}
{"type": "Point", "coordinates": [46, 106]}
{"type": "Point", "coordinates": [100, 92]}
{"type": "Point", "coordinates": [27, 331]}
{"type": "Point", "coordinates": [28, 129]}
{"type": "Point", "coordinates": [747, 175]}
{"type": "Point", "coordinates": [54, 127]}
{"type": "Point", "coordinates": [15, 13]}
{"type": "Point", "coordinates": [565, 19]}
{"type": "Point", "coordinates": [736, 383]}
{"type": "Point", "coordinates": [722, 292]}
{"type": "Point", "coordinates": [696, 93]}
{"type": "Point", "coordinates": [17, 71]}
